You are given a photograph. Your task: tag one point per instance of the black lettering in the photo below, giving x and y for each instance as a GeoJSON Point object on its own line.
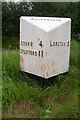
{"type": "Point", "coordinates": [24, 51]}
{"type": "Point", "coordinates": [24, 43]}
{"type": "Point", "coordinates": [21, 42]}
{"type": "Point", "coordinates": [35, 53]}
{"type": "Point", "coordinates": [53, 43]}
{"type": "Point", "coordinates": [31, 43]}
{"type": "Point", "coordinates": [42, 53]}
{"type": "Point", "coordinates": [64, 44]}
{"type": "Point", "coordinates": [39, 53]}
{"type": "Point", "coordinates": [61, 43]}
{"type": "Point", "coordinates": [41, 43]}
{"type": "Point", "coordinates": [68, 43]}
{"type": "Point", "coordinates": [31, 52]}
{"type": "Point", "coordinates": [58, 43]}
{"type": "Point", "coordinates": [28, 43]}
{"type": "Point", "coordinates": [50, 43]}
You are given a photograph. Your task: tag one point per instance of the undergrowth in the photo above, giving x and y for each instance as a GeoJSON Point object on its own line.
{"type": "Point", "coordinates": [54, 98]}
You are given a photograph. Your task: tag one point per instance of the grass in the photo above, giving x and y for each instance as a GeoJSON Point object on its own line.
{"type": "Point", "coordinates": [31, 97]}
{"type": "Point", "coordinates": [10, 43]}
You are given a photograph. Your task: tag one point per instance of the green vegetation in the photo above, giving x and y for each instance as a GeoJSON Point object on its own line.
{"type": "Point", "coordinates": [26, 97]}
{"type": "Point", "coordinates": [11, 13]}
{"type": "Point", "coordinates": [10, 43]}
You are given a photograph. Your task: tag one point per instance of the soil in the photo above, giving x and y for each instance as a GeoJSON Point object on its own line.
{"type": "Point", "coordinates": [22, 109]}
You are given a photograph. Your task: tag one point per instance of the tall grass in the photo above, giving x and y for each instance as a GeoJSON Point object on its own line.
{"type": "Point", "coordinates": [56, 98]}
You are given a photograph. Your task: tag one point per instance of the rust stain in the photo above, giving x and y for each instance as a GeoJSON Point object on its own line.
{"type": "Point", "coordinates": [47, 74]}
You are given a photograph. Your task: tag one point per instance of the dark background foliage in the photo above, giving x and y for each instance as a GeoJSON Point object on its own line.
{"type": "Point", "coordinates": [12, 11]}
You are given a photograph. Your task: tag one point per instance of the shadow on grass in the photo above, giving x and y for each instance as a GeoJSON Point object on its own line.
{"type": "Point", "coordinates": [42, 82]}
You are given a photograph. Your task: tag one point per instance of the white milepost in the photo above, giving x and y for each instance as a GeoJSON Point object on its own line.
{"type": "Point", "coordinates": [45, 45]}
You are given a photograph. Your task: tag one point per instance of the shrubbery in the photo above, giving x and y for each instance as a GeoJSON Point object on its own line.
{"type": "Point", "coordinates": [12, 11]}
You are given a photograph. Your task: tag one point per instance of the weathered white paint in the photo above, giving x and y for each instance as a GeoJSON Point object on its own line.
{"type": "Point", "coordinates": [45, 45]}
